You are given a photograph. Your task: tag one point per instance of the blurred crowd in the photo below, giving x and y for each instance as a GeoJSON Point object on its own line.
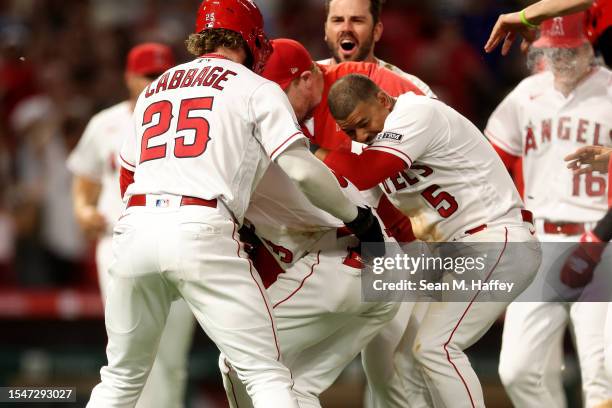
{"type": "Point", "coordinates": [62, 61]}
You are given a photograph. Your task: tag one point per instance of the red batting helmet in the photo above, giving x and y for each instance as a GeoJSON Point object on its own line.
{"type": "Point", "coordinates": [241, 16]}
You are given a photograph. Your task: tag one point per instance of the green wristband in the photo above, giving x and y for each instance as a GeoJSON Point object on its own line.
{"type": "Point", "coordinates": [525, 21]}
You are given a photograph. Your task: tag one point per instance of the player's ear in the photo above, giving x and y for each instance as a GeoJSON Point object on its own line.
{"type": "Point", "coordinates": [383, 99]}
{"type": "Point", "coordinates": [306, 76]}
{"type": "Point", "coordinates": [378, 30]}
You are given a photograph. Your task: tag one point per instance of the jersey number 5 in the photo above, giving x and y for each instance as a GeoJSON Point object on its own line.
{"type": "Point", "coordinates": [198, 124]}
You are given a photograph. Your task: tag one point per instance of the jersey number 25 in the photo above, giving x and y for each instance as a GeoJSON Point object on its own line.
{"type": "Point", "coordinates": [198, 124]}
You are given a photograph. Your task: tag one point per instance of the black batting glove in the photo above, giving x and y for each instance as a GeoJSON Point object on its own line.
{"type": "Point", "coordinates": [366, 227]}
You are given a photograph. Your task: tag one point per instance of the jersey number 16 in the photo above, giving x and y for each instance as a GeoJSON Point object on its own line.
{"type": "Point", "coordinates": [594, 186]}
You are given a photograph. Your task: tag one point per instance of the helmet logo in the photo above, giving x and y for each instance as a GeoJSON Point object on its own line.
{"type": "Point", "coordinates": [557, 27]}
{"type": "Point", "coordinates": [293, 70]}
{"type": "Point", "coordinates": [210, 20]}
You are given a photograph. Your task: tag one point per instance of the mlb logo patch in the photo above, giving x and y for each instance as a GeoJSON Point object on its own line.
{"type": "Point", "coordinates": [162, 202]}
{"type": "Point", "coordinates": [394, 137]}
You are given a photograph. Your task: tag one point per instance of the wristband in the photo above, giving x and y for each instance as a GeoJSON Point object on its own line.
{"type": "Point", "coordinates": [525, 21]}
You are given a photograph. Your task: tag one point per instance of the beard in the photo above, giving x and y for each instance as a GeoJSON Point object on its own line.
{"type": "Point", "coordinates": [363, 49]}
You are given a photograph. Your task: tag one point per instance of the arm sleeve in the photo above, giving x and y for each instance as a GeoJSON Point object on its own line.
{"type": "Point", "coordinates": [509, 160]}
{"type": "Point", "coordinates": [397, 225]}
{"type": "Point", "coordinates": [278, 127]}
{"type": "Point", "coordinates": [85, 160]}
{"type": "Point", "coordinates": [411, 132]}
{"type": "Point", "coordinates": [503, 127]}
{"type": "Point", "coordinates": [316, 181]}
{"type": "Point", "coordinates": [381, 165]}
{"type": "Point", "coordinates": [126, 177]}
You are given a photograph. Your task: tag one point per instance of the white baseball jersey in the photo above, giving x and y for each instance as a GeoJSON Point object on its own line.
{"type": "Point", "coordinates": [456, 181]}
{"type": "Point", "coordinates": [95, 156]}
{"type": "Point", "coordinates": [209, 129]}
{"type": "Point", "coordinates": [412, 78]}
{"type": "Point", "coordinates": [286, 221]}
{"type": "Point", "coordinates": [539, 124]}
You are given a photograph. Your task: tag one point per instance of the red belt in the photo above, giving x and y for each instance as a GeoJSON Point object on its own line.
{"type": "Point", "coordinates": [566, 228]}
{"type": "Point", "coordinates": [526, 215]}
{"type": "Point", "coordinates": [140, 200]}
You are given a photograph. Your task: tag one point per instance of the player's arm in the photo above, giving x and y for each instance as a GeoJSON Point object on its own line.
{"type": "Point", "coordinates": [508, 26]}
{"type": "Point", "coordinates": [365, 170]}
{"type": "Point", "coordinates": [85, 193]}
{"type": "Point", "coordinates": [86, 165]}
{"type": "Point", "coordinates": [580, 265]}
{"type": "Point", "coordinates": [286, 144]}
{"type": "Point", "coordinates": [320, 186]}
{"type": "Point", "coordinates": [127, 156]}
{"type": "Point", "coordinates": [397, 225]}
{"type": "Point", "coordinates": [126, 177]}
{"type": "Point", "coordinates": [404, 139]}
{"type": "Point", "coordinates": [316, 181]}
{"type": "Point", "coordinates": [589, 158]}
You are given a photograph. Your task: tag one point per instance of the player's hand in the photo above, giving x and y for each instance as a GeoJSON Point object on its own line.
{"type": "Point", "coordinates": [366, 227]}
{"type": "Point", "coordinates": [91, 221]}
{"type": "Point", "coordinates": [249, 239]}
{"type": "Point", "coordinates": [588, 159]}
{"type": "Point", "coordinates": [507, 27]}
{"type": "Point", "coordinates": [578, 269]}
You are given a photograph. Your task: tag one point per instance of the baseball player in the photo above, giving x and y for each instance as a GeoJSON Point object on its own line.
{"type": "Point", "coordinates": [546, 117]}
{"type": "Point", "coordinates": [307, 85]}
{"type": "Point", "coordinates": [435, 166]}
{"type": "Point", "coordinates": [206, 131]}
{"type": "Point", "coordinates": [315, 320]}
{"type": "Point", "coordinates": [98, 206]}
{"type": "Point", "coordinates": [352, 29]}
{"type": "Point", "coordinates": [593, 243]}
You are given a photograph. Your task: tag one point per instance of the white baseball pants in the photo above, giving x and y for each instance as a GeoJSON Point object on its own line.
{"type": "Point", "coordinates": [531, 357]}
{"type": "Point", "coordinates": [167, 381]}
{"type": "Point", "coordinates": [448, 328]}
{"type": "Point", "coordinates": [322, 322]}
{"type": "Point", "coordinates": [432, 368]}
{"type": "Point", "coordinates": [394, 377]}
{"type": "Point", "coordinates": [191, 252]}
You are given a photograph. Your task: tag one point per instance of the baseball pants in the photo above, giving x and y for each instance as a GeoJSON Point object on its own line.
{"type": "Point", "coordinates": [167, 382]}
{"type": "Point", "coordinates": [531, 357]}
{"type": "Point", "coordinates": [322, 322]}
{"type": "Point", "coordinates": [193, 252]}
{"type": "Point", "coordinates": [448, 328]}
{"type": "Point", "coordinates": [394, 380]}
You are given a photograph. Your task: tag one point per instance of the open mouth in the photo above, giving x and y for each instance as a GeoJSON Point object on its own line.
{"type": "Point", "coordinates": [347, 44]}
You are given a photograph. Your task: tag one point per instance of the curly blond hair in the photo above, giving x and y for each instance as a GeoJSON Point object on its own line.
{"type": "Point", "coordinates": [208, 41]}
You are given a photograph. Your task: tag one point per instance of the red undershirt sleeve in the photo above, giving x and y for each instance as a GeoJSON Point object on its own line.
{"type": "Point", "coordinates": [126, 177]}
{"type": "Point", "coordinates": [397, 225]}
{"type": "Point", "coordinates": [367, 169]}
{"type": "Point", "coordinates": [508, 159]}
